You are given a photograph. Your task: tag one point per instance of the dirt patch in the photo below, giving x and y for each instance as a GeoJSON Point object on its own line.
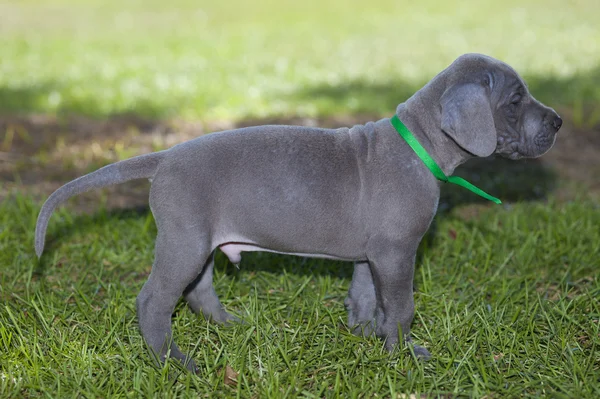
{"type": "Point", "coordinates": [39, 153]}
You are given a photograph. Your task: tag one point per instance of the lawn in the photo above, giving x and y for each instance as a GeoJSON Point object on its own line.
{"type": "Point", "coordinates": [238, 59]}
{"type": "Point", "coordinates": [507, 297]}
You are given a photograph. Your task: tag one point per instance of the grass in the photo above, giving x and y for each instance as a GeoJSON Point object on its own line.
{"type": "Point", "coordinates": [508, 303]}
{"type": "Point", "coordinates": [508, 299]}
{"type": "Point", "coordinates": [235, 60]}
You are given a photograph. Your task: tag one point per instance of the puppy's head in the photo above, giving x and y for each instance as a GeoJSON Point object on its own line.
{"type": "Point", "coordinates": [487, 108]}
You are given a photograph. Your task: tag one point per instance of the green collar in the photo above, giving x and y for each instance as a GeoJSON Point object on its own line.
{"type": "Point", "coordinates": [430, 163]}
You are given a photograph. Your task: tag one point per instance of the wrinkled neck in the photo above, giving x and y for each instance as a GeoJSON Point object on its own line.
{"type": "Point", "coordinates": [425, 124]}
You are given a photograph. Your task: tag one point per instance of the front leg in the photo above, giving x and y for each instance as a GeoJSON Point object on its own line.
{"type": "Point", "coordinates": [392, 265]}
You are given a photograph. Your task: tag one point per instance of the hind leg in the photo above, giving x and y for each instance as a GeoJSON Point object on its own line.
{"type": "Point", "coordinates": [179, 255]}
{"type": "Point", "coordinates": [201, 296]}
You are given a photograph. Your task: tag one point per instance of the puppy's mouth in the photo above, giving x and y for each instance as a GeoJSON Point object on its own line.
{"type": "Point", "coordinates": [514, 156]}
{"type": "Point", "coordinates": [515, 149]}
{"type": "Point", "coordinates": [509, 145]}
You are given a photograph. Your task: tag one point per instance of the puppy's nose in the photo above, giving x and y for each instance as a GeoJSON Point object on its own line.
{"type": "Point", "coordinates": [557, 123]}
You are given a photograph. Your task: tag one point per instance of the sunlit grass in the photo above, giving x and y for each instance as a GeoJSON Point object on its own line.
{"type": "Point", "coordinates": [231, 60]}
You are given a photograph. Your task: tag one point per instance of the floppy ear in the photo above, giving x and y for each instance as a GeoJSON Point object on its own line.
{"type": "Point", "coordinates": [467, 118]}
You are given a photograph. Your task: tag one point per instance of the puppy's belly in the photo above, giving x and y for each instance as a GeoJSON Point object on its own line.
{"type": "Point", "coordinates": [234, 250]}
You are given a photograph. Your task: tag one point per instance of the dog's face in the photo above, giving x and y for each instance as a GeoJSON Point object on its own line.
{"type": "Point", "coordinates": [487, 108]}
{"type": "Point", "coordinates": [525, 127]}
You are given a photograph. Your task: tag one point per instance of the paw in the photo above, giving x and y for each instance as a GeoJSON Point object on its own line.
{"type": "Point", "coordinates": [181, 361]}
{"type": "Point", "coordinates": [420, 353]}
{"type": "Point", "coordinates": [361, 319]}
{"type": "Point", "coordinates": [190, 365]}
{"type": "Point", "coordinates": [225, 318]}
{"type": "Point", "coordinates": [363, 329]}
{"type": "Point", "coordinates": [221, 317]}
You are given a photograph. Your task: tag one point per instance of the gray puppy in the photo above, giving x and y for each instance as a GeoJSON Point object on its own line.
{"type": "Point", "coordinates": [358, 194]}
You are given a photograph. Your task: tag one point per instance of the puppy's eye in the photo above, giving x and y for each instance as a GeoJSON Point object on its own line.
{"type": "Point", "coordinates": [516, 99]}
{"type": "Point", "coordinates": [513, 106]}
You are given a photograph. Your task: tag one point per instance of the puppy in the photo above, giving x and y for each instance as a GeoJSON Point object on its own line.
{"type": "Point", "coordinates": [357, 194]}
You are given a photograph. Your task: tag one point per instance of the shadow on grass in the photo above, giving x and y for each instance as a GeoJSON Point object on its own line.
{"type": "Point", "coordinates": [38, 98]}
{"type": "Point", "coordinates": [511, 181]}
{"type": "Point", "coordinates": [565, 91]}
{"type": "Point", "coordinates": [360, 96]}
{"type": "Point", "coordinates": [350, 97]}
{"type": "Point", "coordinates": [26, 127]}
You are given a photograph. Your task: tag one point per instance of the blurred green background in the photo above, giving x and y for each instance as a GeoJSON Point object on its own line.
{"type": "Point", "coordinates": [238, 59]}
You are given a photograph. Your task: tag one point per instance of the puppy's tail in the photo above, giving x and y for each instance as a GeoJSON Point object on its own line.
{"type": "Point", "coordinates": [143, 166]}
